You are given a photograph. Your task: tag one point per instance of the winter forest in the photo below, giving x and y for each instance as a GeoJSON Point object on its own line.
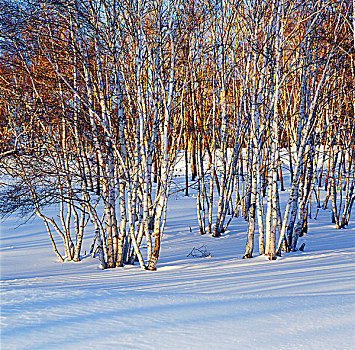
{"type": "Point", "coordinates": [110, 109]}
{"type": "Point", "coordinates": [100, 98]}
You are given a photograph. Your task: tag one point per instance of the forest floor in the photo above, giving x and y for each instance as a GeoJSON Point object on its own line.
{"type": "Point", "coordinates": [303, 300]}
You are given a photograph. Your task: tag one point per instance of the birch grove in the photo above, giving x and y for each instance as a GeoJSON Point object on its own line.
{"type": "Point", "coordinates": [99, 100]}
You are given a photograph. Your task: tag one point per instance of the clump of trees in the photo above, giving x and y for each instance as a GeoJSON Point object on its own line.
{"type": "Point", "coordinates": [98, 98]}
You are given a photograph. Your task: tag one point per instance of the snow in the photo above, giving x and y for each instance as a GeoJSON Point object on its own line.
{"type": "Point", "coordinates": [303, 300]}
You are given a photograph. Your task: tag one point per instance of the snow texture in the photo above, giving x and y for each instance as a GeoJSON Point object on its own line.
{"type": "Point", "coordinates": [303, 300]}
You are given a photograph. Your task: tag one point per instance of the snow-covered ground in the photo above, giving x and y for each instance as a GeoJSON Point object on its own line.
{"type": "Point", "coordinates": [303, 300]}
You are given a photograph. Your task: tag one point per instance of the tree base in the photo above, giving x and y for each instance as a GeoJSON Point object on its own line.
{"type": "Point", "coordinates": [216, 234]}
{"type": "Point", "coordinates": [152, 264]}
